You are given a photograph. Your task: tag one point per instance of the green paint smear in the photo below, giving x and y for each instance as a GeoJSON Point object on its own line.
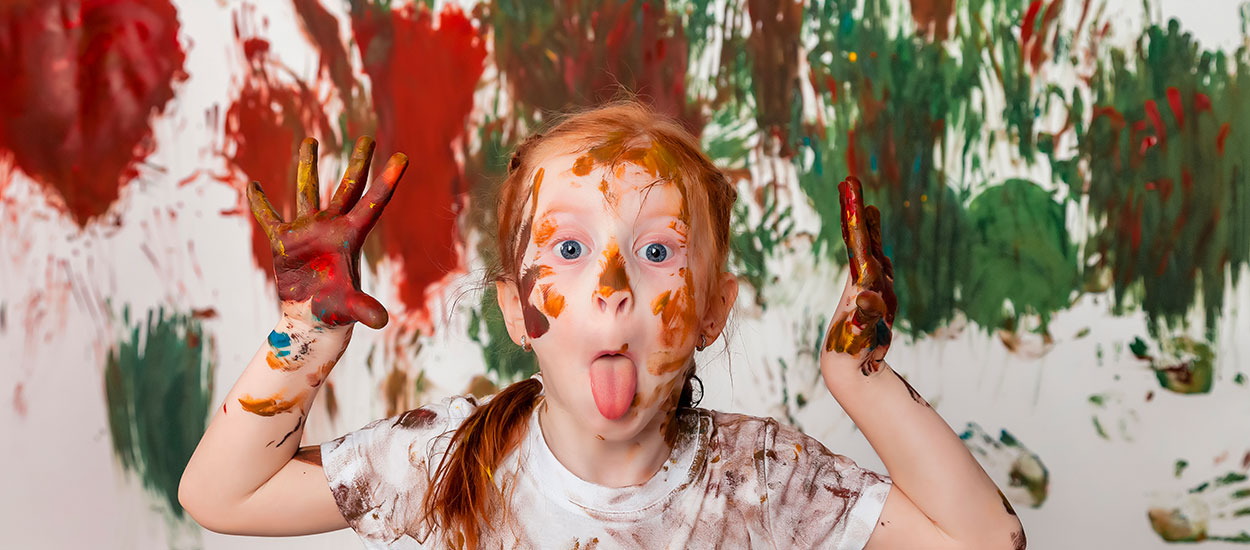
{"type": "Point", "coordinates": [503, 358]}
{"type": "Point", "coordinates": [752, 244]}
{"type": "Point", "coordinates": [1174, 217]}
{"type": "Point", "coordinates": [1022, 262]}
{"type": "Point", "coordinates": [158, 384]}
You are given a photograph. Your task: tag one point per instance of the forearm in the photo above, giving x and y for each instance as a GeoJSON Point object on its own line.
{"type": "Point", "coordinates": [258, 428]}
{"type": "Point", "coordinates": [925, 459]}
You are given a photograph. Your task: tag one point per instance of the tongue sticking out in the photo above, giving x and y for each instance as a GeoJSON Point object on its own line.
{"type": "Point", "coordinates": [613, 381]}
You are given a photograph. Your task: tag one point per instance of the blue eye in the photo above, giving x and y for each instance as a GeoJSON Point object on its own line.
{"type": "Point", "coordinates": [570, 249]}
{"type": "Point", "coordinates": [655, 252]}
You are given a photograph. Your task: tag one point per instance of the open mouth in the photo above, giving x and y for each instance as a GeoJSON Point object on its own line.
{"type": "Point", "coordinates": [622, 352]}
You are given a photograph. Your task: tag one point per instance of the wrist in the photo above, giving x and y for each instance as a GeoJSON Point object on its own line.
{"type": "Point", "coordinates": [295, 344]}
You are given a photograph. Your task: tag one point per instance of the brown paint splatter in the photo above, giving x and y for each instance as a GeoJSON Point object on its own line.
{"type": "Point", "coordinates": [416, 419]}
{"type": "Point", "coordinates": [677, 312]}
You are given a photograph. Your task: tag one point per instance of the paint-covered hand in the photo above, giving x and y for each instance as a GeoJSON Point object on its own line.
{"type": "Point", "coordinates": [316, 256]}
{"type": "Point", "coordinates": [861, 326]}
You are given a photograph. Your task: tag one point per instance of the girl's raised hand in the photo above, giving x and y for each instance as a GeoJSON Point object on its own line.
{"type": "Point", "coordinates": [861, 325]}
{"type": "Point", "coordinates": [316, 256]}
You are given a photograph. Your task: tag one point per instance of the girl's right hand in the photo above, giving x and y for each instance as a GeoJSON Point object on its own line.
{"type": "Point", "coordinates": [316, 256]}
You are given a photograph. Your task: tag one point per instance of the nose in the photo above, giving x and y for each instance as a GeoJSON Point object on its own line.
{"type": "Point", "coordinates": [614, 302]}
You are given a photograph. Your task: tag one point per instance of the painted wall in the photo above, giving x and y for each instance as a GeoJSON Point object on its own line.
{"type": "Point", "coordinates": [1063, 186]}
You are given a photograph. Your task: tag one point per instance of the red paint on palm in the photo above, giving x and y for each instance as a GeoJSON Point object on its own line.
{"type": "Point", "coordinates": [422, 100]}
{"type": "Point", "coordinates": [317, 255]}
{"type": "Point", "coordinates": [263, 128]}
{"type": "Point", "coordinates": [79, 83]}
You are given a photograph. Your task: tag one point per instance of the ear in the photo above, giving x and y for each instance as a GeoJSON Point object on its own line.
{"type": "Point", "coordinates": [510, 305]}
{"type": "Point", "coordinates": [720, 303]}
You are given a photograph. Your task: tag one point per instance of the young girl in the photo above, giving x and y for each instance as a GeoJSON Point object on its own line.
{"type": "Point", "coordinates": [613, 238]}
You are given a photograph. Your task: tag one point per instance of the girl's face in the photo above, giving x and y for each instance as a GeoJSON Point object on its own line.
{"type": "Point", "coordinates": [607, 289]}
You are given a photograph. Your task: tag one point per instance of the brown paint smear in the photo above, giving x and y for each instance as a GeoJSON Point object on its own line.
{"type": "Point", "coordinates": [613, 278]}
{"type": "Point", "coordinates": [309, 455]}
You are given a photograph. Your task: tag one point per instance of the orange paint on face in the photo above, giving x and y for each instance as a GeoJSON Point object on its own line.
{"type": "Point", "coordinates": [608, 194]}
{"type": "Point", "coordinates": [546, 230]}
{"type": "Point", "coordinates": [677, 313]}
{"type": "Point", "coordinates": [583, 165]}
{"type": "Point", "coordinates": [268, 406]}
{"type": "Point", "coordinates": [538, 182]}
{"type": "Point", "coordinates": [553, 301]}
{"type": "Point", "coordinates": [614, 278]}
{"type": "Point", "coordinates": [660, 302]}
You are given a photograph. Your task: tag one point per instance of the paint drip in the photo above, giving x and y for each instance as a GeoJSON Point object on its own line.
{"type": "Point", "coordinates": [613, 381]}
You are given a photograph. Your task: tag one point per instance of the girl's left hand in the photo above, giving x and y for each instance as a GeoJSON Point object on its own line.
{"type": "Point", "coordinates": [861, 328]}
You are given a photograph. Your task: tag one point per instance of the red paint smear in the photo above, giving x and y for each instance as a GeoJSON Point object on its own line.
{"type": "Point", "coordinates": [1026, 28]}
{"type": "Point", "coordinates": [1178, 110]}
{"type": "Point", "coordinates": [423, 80]}
{"type": "Point", "coordinates": [263, 129]}
{"type": "Point", "coordinates": [79, 83]}
{"type": "Point", "coordinates": [1202, 102]}
{"type": "Point", "coordinates": [1161, 131]}
{"type": "Point", "coordinates": [1219, 139]}
{"type": "Point", "coordinates": [1038, 54]}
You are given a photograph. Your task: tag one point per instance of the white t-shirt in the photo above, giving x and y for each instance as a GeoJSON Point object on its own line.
{"type": "Point", "coordinates": [733, 481]}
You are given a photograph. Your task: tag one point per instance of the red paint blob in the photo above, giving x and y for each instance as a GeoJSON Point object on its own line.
{"type": "Point", "coordinates": [423, 77]}
{"type": "Point", "coordinates": [79, 83]}
{"type": "Point", "coordinates": [263, 129]}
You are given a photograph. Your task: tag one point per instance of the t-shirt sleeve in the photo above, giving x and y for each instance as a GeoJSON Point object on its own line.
{"type": "Point", "coordinates": [815, 498]}
{"type": "Point", "coordinates": [379, 474]}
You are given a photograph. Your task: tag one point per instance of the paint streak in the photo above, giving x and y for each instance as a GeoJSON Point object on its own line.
{"type": "Point", "coordinates": [536, 324]}
{"type": "Point", "coordinates": [678, 317]}
{"type": "Point", "coordinates": [268, 117]}
{"type": "Point", "coordinates": [309, 455]}
{"type": "Point", "coordinates": [80, 83]}
{"type": "Point", "coordinates": [158, 384]}
{"type": "Point", "coordinates": [421, 109]}
{"type": "Point", "coordinates": [773, 45]}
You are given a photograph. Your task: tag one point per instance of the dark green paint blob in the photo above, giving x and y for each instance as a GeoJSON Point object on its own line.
{"type": "Point", "coordinates": [158, 381]}
{"type": "Point", "coordinates": [1021, 260]}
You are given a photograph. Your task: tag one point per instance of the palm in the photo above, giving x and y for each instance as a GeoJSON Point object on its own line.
{"type": "Point", "coordinates": [317, 255]}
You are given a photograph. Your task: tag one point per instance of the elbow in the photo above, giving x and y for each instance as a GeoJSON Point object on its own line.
{"type": "Point", "coordinates": [195, 508]}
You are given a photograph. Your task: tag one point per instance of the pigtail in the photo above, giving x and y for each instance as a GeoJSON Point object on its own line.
{"type": "Point", "coordinates": [463, 494]}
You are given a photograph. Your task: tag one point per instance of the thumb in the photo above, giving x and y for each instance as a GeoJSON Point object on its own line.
{"type": "Point", "coordinates": [364, 308]}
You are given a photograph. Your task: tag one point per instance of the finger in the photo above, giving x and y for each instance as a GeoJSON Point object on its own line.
{"type": "Point", "coordinates": [367, 211]}
{"type": "Point", "coordinates": [262, 210]}
{"type": "Point", "coordinates": [854, 231]}
{"type": "Point", "coordinates": [364, 308]}
{"type": "Point", "coordinates": [884, 280]}
{"type": "Point", "coordinates": [354, 178]}
{"type": "Point", "coordinates": [308, 195]}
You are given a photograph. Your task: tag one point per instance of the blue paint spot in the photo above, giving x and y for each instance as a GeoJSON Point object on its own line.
{"type": "Point", "coordinates": [279, 339]}
{"type": "Point", "coordinates": [872, 162]}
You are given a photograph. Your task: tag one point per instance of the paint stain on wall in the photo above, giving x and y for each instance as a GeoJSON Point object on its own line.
{"type": "Point", "coordinates": [421, 108]}
{"type": "Point", "coordinates": [271, 113]}
{"type": "Point", "coordinates": [80, 82]}
{"type": "Point", "coordinates": [158, 382]}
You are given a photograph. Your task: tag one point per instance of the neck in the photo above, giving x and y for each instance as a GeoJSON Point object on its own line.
{"type": "Point", "coordinates": [619, 463]}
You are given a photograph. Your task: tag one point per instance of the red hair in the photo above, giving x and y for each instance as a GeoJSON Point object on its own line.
{"type": "Point", "coordinates": [463, 494]}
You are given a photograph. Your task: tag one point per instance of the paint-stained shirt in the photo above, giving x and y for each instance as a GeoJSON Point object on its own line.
{"type": "Point", "coordinates": [732, 481]}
